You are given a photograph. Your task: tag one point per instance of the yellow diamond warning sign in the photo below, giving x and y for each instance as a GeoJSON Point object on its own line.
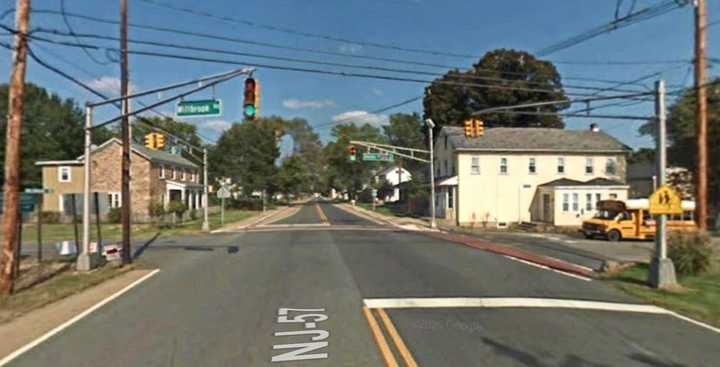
{"type": "Point", "coordinates": [665, 201]}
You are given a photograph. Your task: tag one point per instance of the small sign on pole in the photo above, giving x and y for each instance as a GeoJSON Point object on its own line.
{"type": "Point", "coordinates": [665, 201]}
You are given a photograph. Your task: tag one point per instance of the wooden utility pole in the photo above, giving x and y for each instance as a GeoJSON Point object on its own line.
{"type": "Point", "coordinates": [16, 108]}
{"type": "Point", "coordinates": [701, 112]}
{"type": "Point", "coordinates": [126, 210]}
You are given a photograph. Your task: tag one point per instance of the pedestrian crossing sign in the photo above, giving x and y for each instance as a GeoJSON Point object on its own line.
{"type": "Point", "coordinates": [665, 201]}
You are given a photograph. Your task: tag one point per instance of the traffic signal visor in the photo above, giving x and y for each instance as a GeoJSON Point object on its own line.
{"type": "Point", "coordinates": [469, 129]}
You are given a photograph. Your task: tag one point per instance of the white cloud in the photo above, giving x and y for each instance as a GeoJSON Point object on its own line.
{"type": "Point", "coordinates": [296, 104]}
{"type": "Point", "coordinates": [377, 91]}
{"type": "Point", "coordinates": [108, 84]}
{"type": "Point", "coordinates": [350, 48]}
{"type": "Point", "coordinates": [361, 118]}
{"type": "Point", "coordinates": [217, 126]}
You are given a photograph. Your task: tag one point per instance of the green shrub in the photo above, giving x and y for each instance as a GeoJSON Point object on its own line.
{"type": "Point", "coordinates": [177, 207]}
{"type": "Point", "coordinates": [156, 210]}
{"type": "Point", "coordinates": [690, 252]}
{"type": "Point", "coordinates": [114, 215]}
{"type": "Point", "coordinates": [193, 214]}
{"type": "Point", "coordinates": [50, 217]}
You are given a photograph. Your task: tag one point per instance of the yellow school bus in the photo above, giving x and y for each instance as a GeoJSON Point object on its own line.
{"type": "Point", "coordinates": [616, 220]}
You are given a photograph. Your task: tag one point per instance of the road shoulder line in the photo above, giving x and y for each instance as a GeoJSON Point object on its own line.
{"type": "Point", "coordinates": [10, 357]}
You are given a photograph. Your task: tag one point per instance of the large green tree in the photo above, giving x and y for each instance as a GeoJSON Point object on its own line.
{"type": "Point", "coordinates": [501, 78]}
{"type": "Point", "coordinates": [246, 153]}
{"type": "Point", "coordinates": [52, 130]}
{"type": "Point", "coordinates": [308, 148]}
{"type": "Point", "coordinates": [342, 174]}
{"type": "Point", "coordinates": [294, 176]}
{"type": "Point", "coordinates": [682, 137]}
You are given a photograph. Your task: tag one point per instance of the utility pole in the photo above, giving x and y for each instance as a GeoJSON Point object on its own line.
{"type": "Point", "coordinates": [431, 127]}
{"type": "Point", "coordinates": [662, 270]}
{"type": "Point", "coordinates": [206, 223]}
{"type": "Point", "coordinates": [85, 262]}
{"type": "Point", "coordinates": [701, 111]}
{"type": "Point", "coordinates": [125, 189]}
{"type": "Point", "coordinates": [16, 108]}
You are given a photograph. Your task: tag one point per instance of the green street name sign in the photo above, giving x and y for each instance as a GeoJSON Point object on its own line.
{"type": "Point", "coordinates": [378, 157]}
{"type": "Point", "coordinates": [202, 108]}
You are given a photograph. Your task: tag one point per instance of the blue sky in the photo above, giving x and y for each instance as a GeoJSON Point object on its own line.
{"type": "Point", "coordinates": [453, 26]}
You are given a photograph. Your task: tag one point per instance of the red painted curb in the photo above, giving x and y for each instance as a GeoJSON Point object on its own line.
{"type": "Point", "coordinates": [508, 251]}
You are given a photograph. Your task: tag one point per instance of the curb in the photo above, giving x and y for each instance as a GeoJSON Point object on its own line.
{"type": "Point", "coordinates": [550, 262]}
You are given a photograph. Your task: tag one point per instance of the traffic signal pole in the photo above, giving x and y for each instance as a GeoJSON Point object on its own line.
{"type": "Point", "coordinates": [662, 270]}
{"type": "Point", "coordinates": [206, 223]}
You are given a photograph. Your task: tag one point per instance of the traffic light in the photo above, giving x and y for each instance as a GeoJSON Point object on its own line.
{"type": "Point", "coordinates": [257, 98]}
{"type": "Point", "coordinates": [150, 141]}
{"type": "Point", "coordinates": [479, 126]}
{"type": "Point", "coordinates": [352, 151]}
{"type": "Point", "coordinates": [249, 107]}
{"type": "Point", "coordinates": [469, 129]}
{"type": "Point", "coordinates": [159, 141]}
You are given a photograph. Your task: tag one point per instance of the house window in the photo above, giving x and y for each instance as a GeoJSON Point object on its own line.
{"type": "Point", "coordinates": [610, 167]}
{"type": "Point", "coordinates": [531, 166]}
{"type": "Point", "coordinates": [561, 165]}
{"type": "Point", "coordinates": [566, 202]}
{"type": "Point", "coordinates": [114, 200]}
{"type": "Point", "coordinates": [162, 171]}
{"type": "Point", "coordinates": [64, 174]}
{"type": "Point", "coordinates": [589, 167]}
{"type": "Point", "coordinates": [451, 200]}
{"type": "Point", "coordinates": [475, 166]}
{"type": "Point", "coordinates": [588, 203]}
{"type": "Point", "coordinates": [598, 197]}
{"type": "Point", "coordinates": [576, 204]}
{"type": "Point", "coordinates": [503, 166]}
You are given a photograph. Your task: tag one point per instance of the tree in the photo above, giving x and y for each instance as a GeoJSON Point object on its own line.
{"type": "Point", "coordinates": [537, 81]}
{"type": "Point", "coordinates": [682, 136]}
{"type": "Point", "coordinates": [246, 153]}
{"type": "Point", "coordinates": [52, 130]}
{"type": "Point", "coordinates": [294, 176]}
{"type": "Point", "coordinates": [307, 147]}
{"type": "Point", "coordinates": [342, 174]}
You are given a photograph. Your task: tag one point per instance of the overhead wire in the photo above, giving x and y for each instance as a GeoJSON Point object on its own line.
{"type": "Point", "coordinates": [72, 32]}
{"type": "Point", "coordinates": [292, 48]}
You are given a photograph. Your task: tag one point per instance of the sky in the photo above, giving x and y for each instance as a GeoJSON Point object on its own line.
{"type": "Point", "coordinates": [463, 27]}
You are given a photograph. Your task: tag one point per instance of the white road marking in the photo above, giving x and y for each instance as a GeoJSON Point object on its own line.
{"type": "Point", "coordinates": [511, 302]}
{"type": "Point", "coordinates": [549, 268]}
{"type": "Point", "coordinates": [75, 319]}
{"type": "Point", "coordinates": [520, 302]}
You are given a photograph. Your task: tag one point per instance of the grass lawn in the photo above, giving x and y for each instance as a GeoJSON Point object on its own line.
{"type": "Point", "coordinates": [699, 300]}
{"type": "Point", "coordinates": [379, 209]}
{"type": "Point", "coordinates": [113, 232]}
{"type": "Point", "coordinates": [64, 283]}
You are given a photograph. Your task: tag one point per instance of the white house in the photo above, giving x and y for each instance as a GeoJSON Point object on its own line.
{"type": "Point", "coordinates": [394, 175]}
{"type": "Point", "coordinates": [526, 174]}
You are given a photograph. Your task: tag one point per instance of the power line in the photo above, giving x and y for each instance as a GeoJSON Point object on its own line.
{"type": "Point", "coordinates": [72, 32]}
{"type": "Point", "coordinates": [641, 15]}
{"type": "Point", "coordinates": [291, 48]}
{"type": "Point", "coordinates": [315, 62]}
{"type": "Point", "coordinates": [307, 70]}
{"type": "Point", "coordinates": [306, 34]}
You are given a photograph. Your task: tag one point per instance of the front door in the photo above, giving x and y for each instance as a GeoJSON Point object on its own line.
{"type": "Point", "coordinates": [546, 208]}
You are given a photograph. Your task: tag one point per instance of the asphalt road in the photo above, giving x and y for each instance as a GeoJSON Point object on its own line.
{"type": "Point", "coordinates": [217, 302]}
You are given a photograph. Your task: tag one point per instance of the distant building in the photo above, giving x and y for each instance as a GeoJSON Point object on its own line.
{"type": "Point", "coordinates": [395, 176]}
{"type": "Point", "coordinates": [512, 175]}
{"type": "Point", "coordinates": [156, 177]}
{"type": "Point", "coordinates": [643, 181]}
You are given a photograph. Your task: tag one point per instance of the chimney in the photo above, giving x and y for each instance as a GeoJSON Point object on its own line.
{"type": "Point", "coordinates": [594, 127]}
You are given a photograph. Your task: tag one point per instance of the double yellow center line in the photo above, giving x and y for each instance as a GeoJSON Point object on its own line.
{"type": "Point", "coordinates": [383, 345]}
{"type": "Point", "coordinates": [321, 214]}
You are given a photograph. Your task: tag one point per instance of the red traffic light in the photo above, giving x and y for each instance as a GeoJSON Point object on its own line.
{"type": "Point", "coordinates": [352, 150]}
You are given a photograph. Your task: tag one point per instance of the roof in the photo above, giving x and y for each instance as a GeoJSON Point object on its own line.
{"type": "Point", "coordinates": [593, 182]}
{"type": "Point", "coordinates": [535, 140]}
{"type": "Point", "coordinates": [157, 156]}
{"type": "Point", "coordinates": [59, 163]}
{"type": "Point", "coordinates": [391, 170]}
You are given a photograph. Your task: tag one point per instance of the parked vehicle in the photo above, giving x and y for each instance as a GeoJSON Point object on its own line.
{"type": "Point", "coordinates": [618, 220]}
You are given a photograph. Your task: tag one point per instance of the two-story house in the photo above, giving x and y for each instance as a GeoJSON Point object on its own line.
{"type": "Point", "coordinates": [156, 177]}
{"type": "Point", "coordinates": [512, 175]}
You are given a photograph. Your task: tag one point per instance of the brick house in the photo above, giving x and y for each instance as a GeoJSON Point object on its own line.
{"type": "Point", "coordinates": [156, 177]}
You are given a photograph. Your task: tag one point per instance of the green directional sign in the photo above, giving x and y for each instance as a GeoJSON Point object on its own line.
{"type": "Point", "coordinates": [201, 108]}
{"type": "Point", "coordinates": [27, 202]}
{"type": "Point", "coordinates": [378, 157]}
